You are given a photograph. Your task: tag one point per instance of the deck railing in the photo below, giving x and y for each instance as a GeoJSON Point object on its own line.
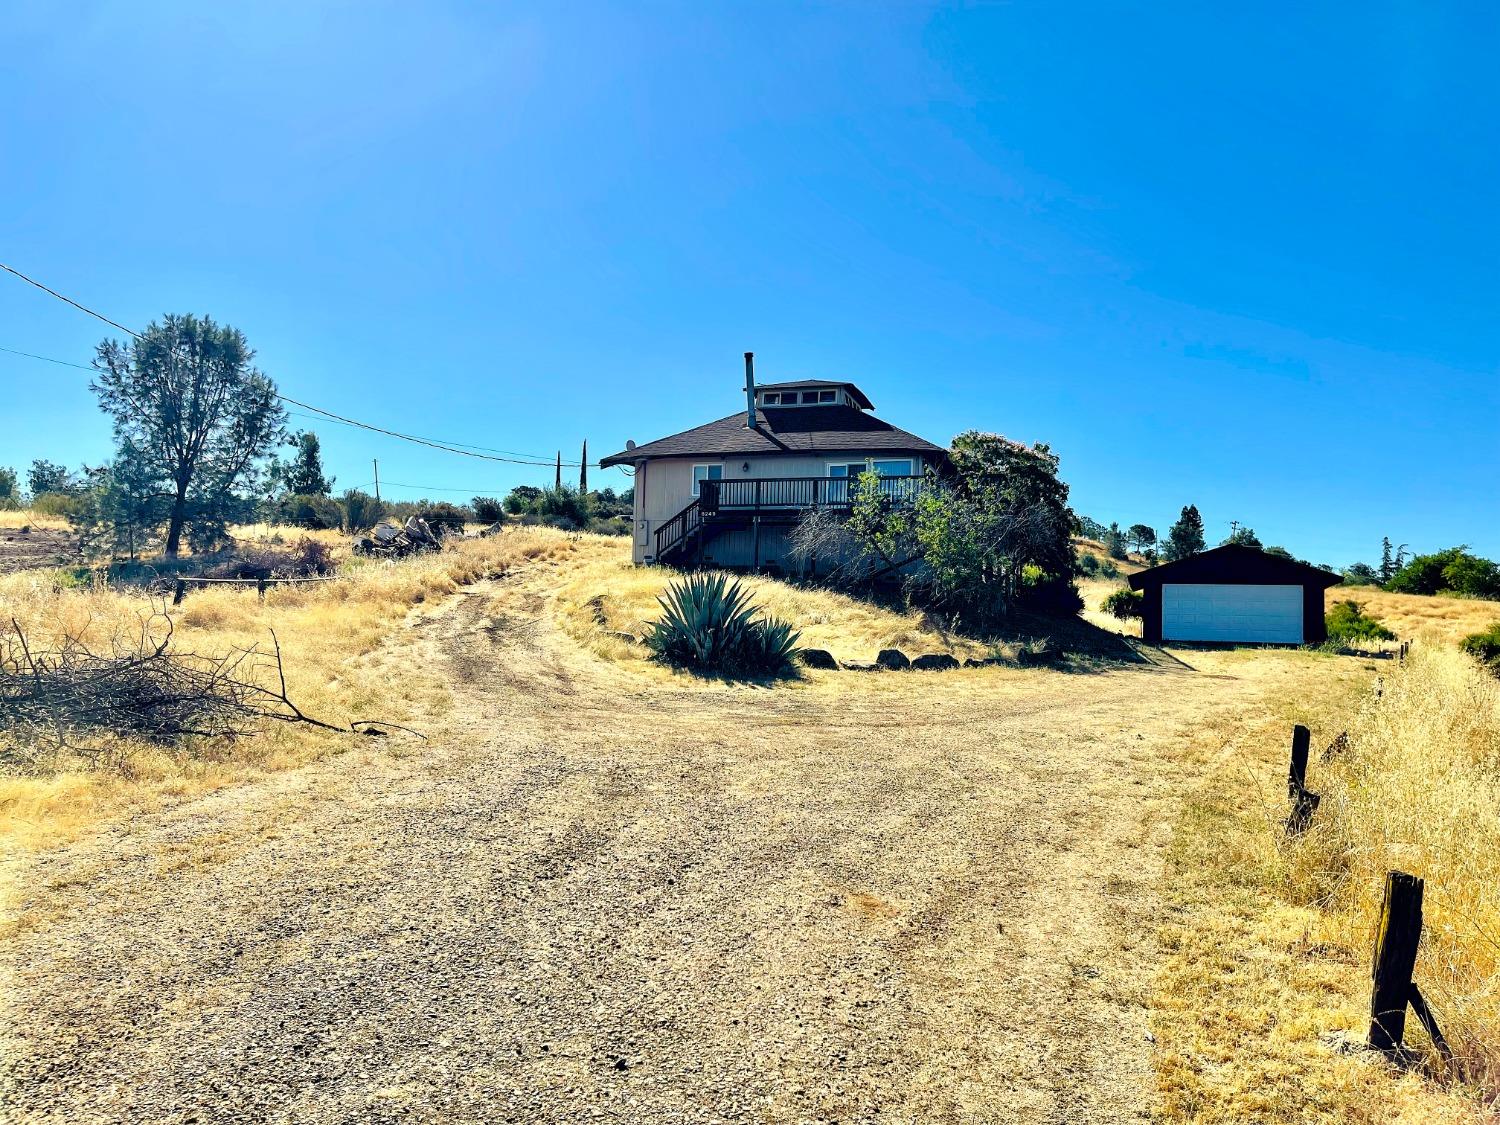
{"type": "Point", "coordinates": [756, 494]}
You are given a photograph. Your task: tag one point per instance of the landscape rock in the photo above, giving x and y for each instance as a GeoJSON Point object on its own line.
{"type": "Point", "coordinates": [934, 662]}
{"type": "Point", "coordinates": [892, 658]}
{"type": "Point", "coordinates": [1040, 656]}
{"type": "Point", "coordinates": [818, 658]}
{"type": "Point", "coordinates": [862, 666]}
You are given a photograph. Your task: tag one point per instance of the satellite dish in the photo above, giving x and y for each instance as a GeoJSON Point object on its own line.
{"type": "Point", "coordinates": [630, 445]}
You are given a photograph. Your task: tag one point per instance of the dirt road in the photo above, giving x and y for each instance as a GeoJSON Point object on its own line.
{"type": "Point", "coordinates": [918, 897]}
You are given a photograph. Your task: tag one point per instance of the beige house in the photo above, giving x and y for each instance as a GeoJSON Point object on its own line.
{"type": "Point", "coordinates": [727, 493]}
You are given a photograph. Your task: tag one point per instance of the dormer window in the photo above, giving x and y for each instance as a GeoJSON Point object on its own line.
{"type": "Point", "coordinates": [818, 397]}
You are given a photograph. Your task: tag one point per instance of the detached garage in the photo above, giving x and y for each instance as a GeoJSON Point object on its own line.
{"type": "Point", "coordinates": [1233, 595]}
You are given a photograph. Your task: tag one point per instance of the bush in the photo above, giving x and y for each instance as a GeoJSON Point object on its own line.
{"type": "Point", "coordinates": [1088, 564]}
{"type": "Point", "coordinates": [1041, 592]}
{"type": "Point", "coordinates": [361, 510]}
{"type": "Point", "coordinates": [445, 518]}
{"type": "Point", "coordinates": [316, 513]}
{"type": "Point", "coordinates": [306, 558]}
{"type": "Point", "coordinates": [1453, 570]}
{"type": "Point", "coordinates": [1347, 621]}
{"type": "Point", "coordinates": [709, 624]}
{"type": "Point", "coordinates": [487, 509]}
{"type": "Point", "coordinates": [1123, 604]}
{"type": "Point", "coordinates": [1484, 647]}
{"type": "Point", "coordinates": [63, 504]}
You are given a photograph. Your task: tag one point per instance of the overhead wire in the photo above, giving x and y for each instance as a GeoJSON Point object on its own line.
{"type": "Point", "coordinates": [480, 452]}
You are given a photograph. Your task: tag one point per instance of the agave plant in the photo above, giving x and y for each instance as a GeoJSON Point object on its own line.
{"type": "Point", "coordinates": [709, 622]}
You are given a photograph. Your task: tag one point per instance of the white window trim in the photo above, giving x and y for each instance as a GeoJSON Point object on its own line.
{"type": "Point", "coordinates": [693, 473]}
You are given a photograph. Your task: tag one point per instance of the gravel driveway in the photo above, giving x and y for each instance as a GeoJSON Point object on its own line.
{"type": "Point", "coordinates": [597, 895]}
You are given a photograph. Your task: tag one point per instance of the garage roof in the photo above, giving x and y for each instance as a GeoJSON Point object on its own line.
{"type": "Point", "coordinates": [1236, 564]}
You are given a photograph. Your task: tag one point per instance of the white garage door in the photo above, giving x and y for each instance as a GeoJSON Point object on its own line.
{"type": "Point", "coordinates": [1266, 614]}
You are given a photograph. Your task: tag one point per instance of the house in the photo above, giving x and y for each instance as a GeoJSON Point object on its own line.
{"type": "Point", "coordinates": [727, 493]}
{"type": "Point", "coordinates": [1234, 594]}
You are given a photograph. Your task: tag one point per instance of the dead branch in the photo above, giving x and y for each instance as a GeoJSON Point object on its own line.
{"type": "Point", "coordinates": [63, 695]}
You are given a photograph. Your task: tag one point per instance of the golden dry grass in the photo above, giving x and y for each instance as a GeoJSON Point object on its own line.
{"type": "Point", "coordinates": [1268, 944]}
{"type": "Point", "coordinates": [24, 517]}
{"type": "Point", "coordinates": [605, 594]}
{"type": "Point", "coordinates": [331, 635]}
{"type": "Point", "coordinates": [1442, 620]}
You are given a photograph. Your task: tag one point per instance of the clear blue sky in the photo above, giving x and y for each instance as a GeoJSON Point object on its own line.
{"type": "Point", "coordinates": [1246, 258]}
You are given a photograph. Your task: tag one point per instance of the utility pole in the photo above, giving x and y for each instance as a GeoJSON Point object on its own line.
{"type": "Point", "coordinates": [1234, 526]}
{"type": "Point", "coordinates": [557, 486]}
{"type": "Point", "coordinates": [583, 468]}
{"type": "Point", "coordinates": [376, 462]}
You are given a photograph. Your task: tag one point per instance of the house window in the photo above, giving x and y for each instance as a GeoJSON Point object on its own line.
{"type": "Point", "coordinates": [702, 473]}
{"type": "Point", "coordinates": [893, 468]}
{"type": "Point", "coordinates": [884, 468]}
{"type": "Point", "coordinates": [771, 398]}
{"type": "Point", "coordinates": [826, 396]}
{"type": "Point", "coordinates": [809, 396]}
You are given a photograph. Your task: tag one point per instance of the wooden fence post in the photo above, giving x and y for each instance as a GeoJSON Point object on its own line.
{"type": "Point", "coordinates": [1296, 780]}
{"type": "Point", "coordinates": [260, 588]}
{"type": "Point", "coordinates": [179, 592]}
{"type": "Point", "coordinates": [1395, 957]}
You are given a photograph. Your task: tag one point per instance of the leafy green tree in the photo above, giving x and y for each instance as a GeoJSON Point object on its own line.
{"type": "Point", "coordinates": [304, 476]}
{"type": "Point", "coordinates": [523, 498]}
{"type": "Point", "coordinates": [1455, 569]}
{"type": "Point", "coordinates": [1186, 535]}
{"type": "Point", "coordinates": [1243, 537]}
{"type": "Point", "coordinates": [1281, 553]}
{"type": "Point", "coordinates": [487, 509]}
{"type": "Point", "coordinates": [192, 417]}
{"type": "Point", "coordinates": [1359, 574]}
{"type": "Point", "coordinates": [1142, 535]}
{"type": "Point", "coordinates": [10, 489]}
{"type": "Point", "coordinates": [48, 477]}
{"type": "Point", "coordinates": [995, 536]}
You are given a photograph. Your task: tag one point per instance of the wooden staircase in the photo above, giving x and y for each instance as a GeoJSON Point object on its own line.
{"type": "Point", "coordinates": [680, 536]}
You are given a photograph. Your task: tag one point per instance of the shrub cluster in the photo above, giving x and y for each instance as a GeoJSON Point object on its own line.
{"type": "Point", "coordinates": [1455, 570]}
{"type": "Point", "coordinates": [1485, 647]}
{"type": "Point", "coordinates": [709, 624]}
{"type": "Point", "coordinates": [306, 558]}
{"type": "Point", "coordinates": [1123, 604]}
{"type": "Point", "coordinates": [1347, 621]}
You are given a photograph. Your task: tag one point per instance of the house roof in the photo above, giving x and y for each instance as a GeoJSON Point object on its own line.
{"type": "Point", "coordinates": [810, 384]}
{"type": "Point", "coordinates": [792, 429]}
{"type": "Point", "coordinates": [1236, 564]}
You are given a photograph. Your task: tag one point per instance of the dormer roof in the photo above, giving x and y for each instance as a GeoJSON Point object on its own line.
{"type": "Point", "coordinates": [819, 384]}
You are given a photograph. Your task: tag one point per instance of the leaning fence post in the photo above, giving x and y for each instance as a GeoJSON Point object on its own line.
{"type": "Point", "coordinates": [1395, 958]}
{"type": "Point", "coordinates": [260, 588]}
{"type": "Point", "coordinates": [1296, 779]}
{"type": "Point", "coordinates": [179, 592]}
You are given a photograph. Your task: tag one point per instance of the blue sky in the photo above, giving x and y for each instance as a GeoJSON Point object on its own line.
{"type": "Point", "coordinates": [1245, 258]}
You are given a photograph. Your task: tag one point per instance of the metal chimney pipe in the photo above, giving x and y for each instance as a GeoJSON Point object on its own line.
{"type": "Point", "coordinates": [750, 390]}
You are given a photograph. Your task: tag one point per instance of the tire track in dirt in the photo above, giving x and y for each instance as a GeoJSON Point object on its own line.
{"type": "Point", "coordinates": [602, 895]}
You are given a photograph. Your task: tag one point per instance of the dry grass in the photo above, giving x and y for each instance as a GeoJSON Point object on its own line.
{"type": "Point", "coordinates": [1442, 620]}
{"type": "Point", "coordinates": [605, 594]}
{"type": "Point", "coordinates": [24, 517]}
{"type": "Point", "coordinates": [331, 636]}
{"type": "Point", "coordinates": [1268, 945]}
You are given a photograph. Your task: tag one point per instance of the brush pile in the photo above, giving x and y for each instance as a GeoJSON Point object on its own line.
{"type": "Point", "coordinates": [67, 696]}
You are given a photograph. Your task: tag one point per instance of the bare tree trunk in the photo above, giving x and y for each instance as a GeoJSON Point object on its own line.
{"type": "Point", "coordinates": [174, 525]}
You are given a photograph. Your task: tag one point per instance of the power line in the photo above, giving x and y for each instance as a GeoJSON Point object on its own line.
{"type": "Point", "coordinates": [533, 460]}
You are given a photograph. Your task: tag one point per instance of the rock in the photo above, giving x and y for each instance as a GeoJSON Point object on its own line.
{"type": "Point", "coordinates": [818, 658]}
{"type": "Point", "coordinates": [934, 662]}
{"type": "Point", "coordinates": [1040, 656]}
{"type": "Point", "coordinates": [862, 666]}
{"type": "Point", "coordinates": [628, 638]}
{"type": "Point", "coordinates": [892, 658]}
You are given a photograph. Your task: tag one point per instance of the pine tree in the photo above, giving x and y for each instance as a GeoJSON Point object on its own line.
{"type": "Point", "coordinates": [1387, 567]}
{"type": "Point", "coordinates": [1186, 536]}
{"type": "Point", "coordinates": [583, 468]}
{"type": "Point", "coordinates": [304, 476]}
{"type": "Point", "coordinates": [1114, 542]}
{"type": "Point", "coordinates": [557, 485]}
